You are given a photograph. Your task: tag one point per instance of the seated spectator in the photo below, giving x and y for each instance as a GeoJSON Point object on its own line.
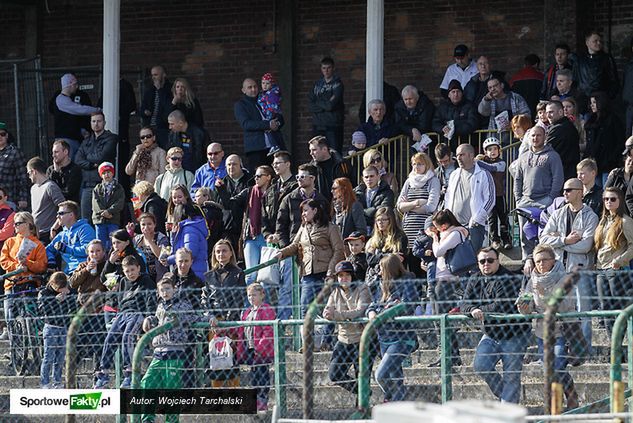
{"type": "Point", "coordinates": [214, 169]}
{"type": "Point", "coordinates": [137, 298]}
{"type": "Point", "coordinates": [122, 246]}
{"type": "Point", "coordinates": [86, 277]}
{"type": "Point", "coordinates": [13, 176]}
{"type": "Point", "coordinates": [45, 197]}
{"type": "Point", "coordinates": [108, 201]}
{"type": "Point", "coordinates": [184, 100]}
{"type": "Point", "coordinates": [347, 212]}
{"type": "Point", "coordinates": [548, 276]}
{"type": "Point", "coordinates": [69, 246]}
{"type": "Point", "coordinates": [148, 201]}
{"type": "Point", "coordinates": [528, 82]}
{"type": "Point", "coordinates": [414, 113]}
{"type": "Point", "coordinates": [494, 290]}
{"type": "Point", "coordinates": [148, 160]}
{"type": "Point", "coordinates": [390, 95]}
{"type": "Point", "coordinates": [477, 87]}
{"type": "Point", "coordinates": [501, 106]}
{"type": "Point", "coordinates": [550, 78]}
{"type": "Point", "coordinates": [564, 86]}
{"type": "Point", "coordinates": [375, 158]}
{"type": "Point", "coordinates": [190, 138]}
{"type": "Point", "coordinates": [64, 172]}
{"type": "Point", "coordinates": [455, 117]}
{"type": "Point", "coordinates": [372, 194]}
{"type": "Point", "coordinates": [174, 174]}
{"type": "Point", "coordinates": [151, 243]}
{"type": "Point", "coordinates": [377, 129]}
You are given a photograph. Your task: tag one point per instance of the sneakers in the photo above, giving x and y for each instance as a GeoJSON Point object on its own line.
{"type": "Point", "coordinates": [102, 381]}
{"type": "Point", "coordinates": [273, 150]}
{"type": "Point", "coordinates": [5, 334]}
{"type": "Point", "coordinates": [126, 383]}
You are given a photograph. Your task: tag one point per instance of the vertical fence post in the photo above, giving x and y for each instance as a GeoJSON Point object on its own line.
{"type": "Point", "coordinates": [445, 359]}
{"type": "Point", "coordinates": [296, 301]}
{"type": "Point", "coordinates": [16, 88]}
{"type": "Point", "coordinates": [280, 368]}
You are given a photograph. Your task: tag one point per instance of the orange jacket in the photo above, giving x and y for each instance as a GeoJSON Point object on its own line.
{"type": "Point", "coordinates": [36, 261]}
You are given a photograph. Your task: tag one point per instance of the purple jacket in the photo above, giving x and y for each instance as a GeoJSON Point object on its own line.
{"type": "Point", "coordinates": [192, 234]}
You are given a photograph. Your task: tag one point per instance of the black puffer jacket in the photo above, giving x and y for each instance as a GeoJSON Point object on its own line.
{"type": "Point", "coordinates": [605, 141]}
{"type": "Point", "coordinates": [596, 72]}
{"type": "Point", "coordinates": [563, 137]}
{"type": "Point", "coordinates": [224, 292]}
{"type": "Point", "coordinates": [420, 117]}
{"type": "Point", "coordinates": [464, 114]}
{"type": "Point", "coordinates": [92, 152]}
{"type": "Point", "coordinates": [384, 197]}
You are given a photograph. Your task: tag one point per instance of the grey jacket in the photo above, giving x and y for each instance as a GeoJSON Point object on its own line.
{"type": "Point", "coordinates": [176, 338]}
{"type": "Point", "coordinates": [584, 223]}
{"type": "Point", "coordinates": [538, 178]}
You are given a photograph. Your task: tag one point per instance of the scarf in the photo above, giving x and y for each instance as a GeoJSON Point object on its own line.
{"type": "Point", "coordinates": [418, 181]}
{"type": "Point", "coordinates": [144, 162]}
{"type": "Point", "coordinates": [255, 211]}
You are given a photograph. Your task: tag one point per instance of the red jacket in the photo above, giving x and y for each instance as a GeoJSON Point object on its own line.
{"type": "Point", "coordinates": [262, 335]}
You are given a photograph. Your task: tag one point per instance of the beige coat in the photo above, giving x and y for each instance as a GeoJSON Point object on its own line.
{"type": "Point", "coordinates": [321, 247]}
{"type": "Point", "coordinates": [623, 255]}
{"type": "Point", "coordinates": [349, 306]}
{"type": "Point", "coordinates": [159, 161]}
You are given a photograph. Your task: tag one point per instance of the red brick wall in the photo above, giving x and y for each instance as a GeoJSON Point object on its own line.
{"type": "Point", "coordinates": [216, 44]}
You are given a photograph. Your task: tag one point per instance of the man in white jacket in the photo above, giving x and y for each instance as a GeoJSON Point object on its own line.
{"type": "Point", "coordinates": [569, 231]}
{"type": "Point", "coordinates": [470, 194]}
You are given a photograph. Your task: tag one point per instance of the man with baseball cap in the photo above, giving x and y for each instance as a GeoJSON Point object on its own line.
{"type": "Point", "coordinates": [463, 69]}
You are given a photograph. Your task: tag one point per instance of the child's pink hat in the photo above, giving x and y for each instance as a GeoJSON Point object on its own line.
{"type": "Point", "coordinates": [268, 77]}
{"type": "Point", "coordinates": [105, 166]}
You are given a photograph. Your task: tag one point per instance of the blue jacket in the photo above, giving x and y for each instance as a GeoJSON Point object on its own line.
{"type": "Point", "coordinates": [252, 122]}
{"type": "Point", "coordinates": [205, 176]}
{"type": "Point", "coordinates": [192, 233]}
{"type": "Point", "coordinates": [73, 251]}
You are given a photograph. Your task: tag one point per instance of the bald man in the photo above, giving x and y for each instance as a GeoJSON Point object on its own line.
{"type": "Point", "coordinates": [155, 105]}
{"type": "Point", "coordinates": [212, 170]}
{"type": "Point", "coordinates": [255, 126]}
{"type": "Point", "coordinates": [236, 180]}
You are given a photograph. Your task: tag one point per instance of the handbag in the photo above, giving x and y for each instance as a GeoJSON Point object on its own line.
{"type": "Point", "coordinates": [461, 259]}
{"type": "Point", "coordinates": [220, 353]}
{"type": "Point", "coordinates": [271, 275]}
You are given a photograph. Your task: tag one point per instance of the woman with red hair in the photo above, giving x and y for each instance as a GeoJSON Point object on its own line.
{"type": "Point", "coordinates": [348, 213]}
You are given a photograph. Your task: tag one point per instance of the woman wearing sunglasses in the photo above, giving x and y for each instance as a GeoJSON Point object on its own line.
{"type": "Point", "coordinates": [375, 158]}
{"type": "Point", "coordinates": [148, 160]}
{"type": "Point", "coordinates": [174, 174]}
{"type": "Point", "coordinates": [614, 246]}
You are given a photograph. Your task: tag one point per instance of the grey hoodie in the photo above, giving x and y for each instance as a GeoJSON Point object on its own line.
{"type": "Point", "coordinates": [539, 178]}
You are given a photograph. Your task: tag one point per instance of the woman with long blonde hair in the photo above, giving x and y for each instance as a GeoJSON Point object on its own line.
{"type": "Point", "coordinates": [374, 157]}
{"type": "Point", "coordinates": [614, 251]}
{"type": "Point", "coordinates": [185, 100]}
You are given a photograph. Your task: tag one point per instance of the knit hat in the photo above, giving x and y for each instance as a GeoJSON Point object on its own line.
{"type": "Point", "coordinates": [358, 137]}
{"type": "Point", "coordinates": [454, 84]}
{"type": "Point", "coordinates": [67, 80]}
{"type": "Point", "coordinates": [268, 77]}
{"type": "Point", "coordinates": [106, 166]}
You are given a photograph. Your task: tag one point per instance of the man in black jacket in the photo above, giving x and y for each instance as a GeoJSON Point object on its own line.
{"type": "Point", "coordinates": [414, 113]}
{"type": "Point", "coordinates": [505, 340]}
{"type": "Point", "coordinates": [330, 165]}
{"type": "Point", "coordinates": [64, 172]}
{"type": "Point", "coordinates": [192, 139]}
{"type": "Point", "coordinates": [460, 111]}
{"type": "Point", "coordinates": [595, 70]}
{"type": "Point", "coordinates": [563, 136]}
{"type": "Point", "coordinates": [156, 105]}
{"type": "Point", "coordinates": [477, 87]}
{"type": "Point", "coordinates": [373, 193]}
{"type": "Point", "coordinates": [328, 106]}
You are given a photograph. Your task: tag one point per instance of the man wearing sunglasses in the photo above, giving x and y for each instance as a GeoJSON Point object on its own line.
{"type": "Point", "coordinates": [494, 290]}
{"type": "Point", "coordinates": [570, 231]}
{"type": "Point", "coordinates": [214, 169]}
{"type": "Point", "coordinates": [71, 243]}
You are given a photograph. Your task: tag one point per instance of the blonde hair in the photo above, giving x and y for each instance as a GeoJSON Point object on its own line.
{"type": "Point", "coordinates": [389, 242]}
{"type": "Point", "coordinates": [28, 218]}
{"type": "Point", "coordinates": [142, 188]}
{"type": "Point", "coordinates": [371, 153]}
{"type": "Point", "coordinates": [255, 286]}
{"type": "Point", "coordinates": [189, 96]}
{"type": "Point", "coordinates": [215, 264]}
{"type": "Point", "coordinates": [391, 269]}
{"type": "Point", "coordinates": [424, 159]}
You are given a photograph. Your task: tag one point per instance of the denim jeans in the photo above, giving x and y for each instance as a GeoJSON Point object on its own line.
{"type": "Point", "coordinates": [311, 285]}
{"type": "Point", "coordinates": [344, 356]}
{"type": "Point", "coordinates": [285, 290]}
{"type": "Point", "coordinates": [477, 234]}
{"type": "Point", "coordinates": [614, 292]}
{"type": "Point", "coordinates": [86, 203]}
{"type": "Point", "coordinates": [560, 362]}
{"type": "Point", "coordinates": [584, 296]}
{"type": "Point", "coordinates": [252, 252]}
{"type": "Point", "coordinates": [260, 376]}
{"type": "Point", "coordinates": [506, 387]}
{"type": "Point", "coordinates": [123, 332]}
{"type": "Point", "coordinates": [103, 231]}
{"type": "Point", "coordinates": [389, 373]}
{"type": "Point", "coordinates": [54, 354]}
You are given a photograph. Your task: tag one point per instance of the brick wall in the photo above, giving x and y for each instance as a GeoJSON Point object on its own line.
{"type": "Point", "coordinates": [216, 44]}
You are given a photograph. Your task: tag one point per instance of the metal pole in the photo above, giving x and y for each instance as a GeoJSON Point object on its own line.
{"type": "Point", "coordinates": [18, 125]}
{"type": "Point", "coordinates": [111, 63]}
{"type": "Point", "coordinates": [374, 51]}
{"type": "Point", "coordinates": [617, 335]}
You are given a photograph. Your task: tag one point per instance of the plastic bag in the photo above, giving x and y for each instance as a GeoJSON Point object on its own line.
{"type": "Point", "coordinates": [269, 276]}
{"type": "Point", "coordinates": [220, 353]}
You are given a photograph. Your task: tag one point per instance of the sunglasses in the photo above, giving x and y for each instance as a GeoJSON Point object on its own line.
{"type": "Point", "coordinates": [260, 176]}
{"type": "Point", "coordinates": [146, 137]}
{"type": "Point", "coordinates": [570, 189]}
{"type": "Point", "coordinates": [488, 260]}
{"type": "Point", "coordinates": [299, 177]}
{"type": "Point", "coordinates": [611, 199]}
{"type": "Point", "coordinates": [3, 134]}
{"type": "Point", "coordinates": [376, 160]}
{"type": "Point", "coordinates": [61, 213]}
{"type": "Point", "coordinates": [18, 223]}
{"type": "Point", "coordinates": [213, 153]}
{"type": "Point", "coordinates": [175, 159]}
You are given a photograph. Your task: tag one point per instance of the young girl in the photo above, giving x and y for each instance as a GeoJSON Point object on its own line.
{"type": "Point", "coordinates": [269, 101]}
{"type": "Point", "coordinates": [256, 346]}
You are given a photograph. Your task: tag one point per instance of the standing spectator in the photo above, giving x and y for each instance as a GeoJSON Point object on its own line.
{"type": "Point", "coordinates": [269, 101]}
{"type": "Point", "coordinates": [189, 137]}
{"type": "Point", "coordinates": [501, 106]}
{"type": "Point", "coordinates": [520, 126]}
{"type": "Point", "coordinates": [470, 195]}
{"type": "Point", "coordinates": [98, 148]}
{"type": "Point", "coordinates": [322, 247]}
{"type": "Point", "coordinates": [620, 178]}
{"type": "Point", "coordinates": [329, 163]}
{"type": "Point", "coordinates": [460, 112]}
{"type": "Point", "coordinates": [148, 160]}
{"type": "Point", "coordinates": [347, 211]}
{"type": "Point", "coordinates": [12, 170]}
{"type": "Point", "coordinates": [461, 71]}
{"type": "Point", "coordinates": [627, 93]}
{"type": "Point", "coordinates": [45, 197]}
{"type": "Point", "coordinates": [375, 158]}
{"type": "Point", "coordinates": [150, 202]}
{"type": "Point", "coordinates": [605, 135]}
{"type": "Point", "coordinates": [56, 307]}
{"type": "Point", "coordinates": [494, 290]}
{"type": "Point", "coordinates": [215, 168]}
{"type": "Point", "coordinates": [6, 218]}
{"type": "Point", "coordinates": [528, 82]}
{"type": "Point", "coordinates": [372, 194]}
{"type": "Point", "coordinates": [377, 129]}
{"type": "Point", "coordinates": [550, 78]}
{"type": "Point", "coordinates": [537, 182]}
{"type": "Point", "coordinates": [174, 174]}
{"type": "Point", "coordinates": [188, 229]}
{"type": "Point", "coordinates": [236, 180]}
{"type": "Point", "coordinates": [150, 243]}
{"type": "Point", "coordinates": [285, 182]}
{"type": "Point", "coordinates": [445, 166]}
{"type": "Point", "coordinates": [614, 251]}
{"type": "Point", "coordinates": [595, 70]}
{"type": "Point", "coordinates": [70, 245]}
{"type": "Point", "coordinates": [156, 105]}
{"type": "Point", "coordinates": [563, 137]}
{"type": "Point", "coordinates": [70, 111]}
{"type": "Point", "coordinates": [414, 113]}
{"type": "Point", "coordinates": [184, 99]}
{"type": "Point", "coordinates": [108, 200]}
{"type": "Point", "coordinates": [255, 127]}
{"type": "Point", "coordinates": [477, 87]}
{"type": "Point", "coordinates": [187, 283]}
{"type": "Point", "coordinates": [327, 106]}
{"type": "Point", "coordinates": [592, 193]}
{"type": "Point", "coordinates": [65, 173]}
{"type": "Point", "coordinates": [397, 340]}
{"type": "Point", "coordinates": [418, 199]}
{"type": "Point", "coordinates": [546, 278]}
{"type": "Point", "coordinates": [571, 112]}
